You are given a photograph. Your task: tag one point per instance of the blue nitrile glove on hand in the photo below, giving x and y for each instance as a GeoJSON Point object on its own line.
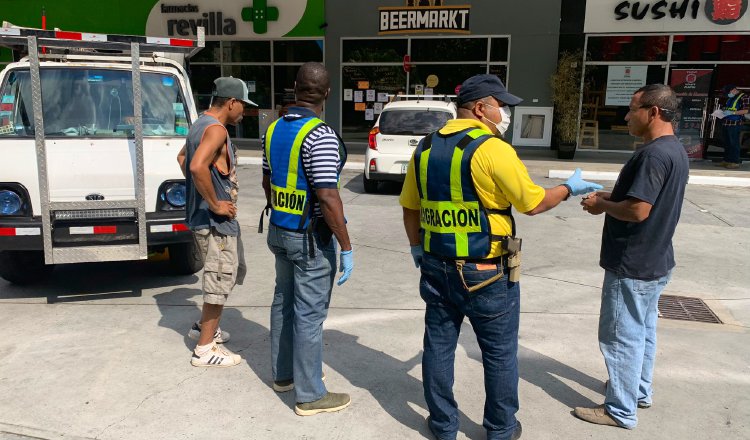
{"type": "Point", "coordinates": [578, 186]}
{"type": "Point", "coordinates": [417, 253]}
{"type": "Point", "coordinates": [728, 112]}
{"type": "Point", "coordinates": [346, 265]}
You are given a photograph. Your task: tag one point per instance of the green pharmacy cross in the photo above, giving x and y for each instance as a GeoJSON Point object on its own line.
{"type": "Point", "coordinates": [260, 14]}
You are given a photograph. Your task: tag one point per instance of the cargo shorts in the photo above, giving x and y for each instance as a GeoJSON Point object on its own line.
{"type": "Point", "coordinates": [223, 264]}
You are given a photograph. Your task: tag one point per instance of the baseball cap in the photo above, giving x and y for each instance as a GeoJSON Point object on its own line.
{"type": "Point", "coordinates": [729, 87]}
{"type": "Point", "coordinates": [231, 87]}
{"type": "Point", "coordinates": [482, 86]}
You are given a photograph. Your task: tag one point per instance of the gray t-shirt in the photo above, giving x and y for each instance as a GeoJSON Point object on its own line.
{"type": "Point", "coordinates": [197, 214]}
{"type": "Point", "coordinates": [657, 173]}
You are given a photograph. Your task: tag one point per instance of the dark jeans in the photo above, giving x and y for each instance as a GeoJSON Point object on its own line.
{"type": "Point", "coordinates": [494, 314]}
{"type": "Point", "coordinates": [732, 143]}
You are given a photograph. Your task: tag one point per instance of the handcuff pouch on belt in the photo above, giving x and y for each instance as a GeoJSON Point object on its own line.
{"type": "Point", "coordinates": [512, 259]}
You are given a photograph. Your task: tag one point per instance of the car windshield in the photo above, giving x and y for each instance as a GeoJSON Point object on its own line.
{"type": "Point", "coordinates": [89, 102]}
{"type": "Point", "coordinates": [417, 122]}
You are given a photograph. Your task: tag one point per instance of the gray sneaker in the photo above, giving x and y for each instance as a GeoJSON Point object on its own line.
{"type": "Point", "coordinates": [331, 402]}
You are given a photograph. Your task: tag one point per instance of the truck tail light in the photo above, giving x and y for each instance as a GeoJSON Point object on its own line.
{"type": "Point", "coordinates": [373, 165]}
{"type": "Point", "coordinates": [371, 141]}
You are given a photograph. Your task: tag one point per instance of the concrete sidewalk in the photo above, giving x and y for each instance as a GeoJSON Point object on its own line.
{"type": "Point", "coordinates": [99, 351]}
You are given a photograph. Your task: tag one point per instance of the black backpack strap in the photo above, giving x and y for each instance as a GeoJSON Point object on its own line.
{"type": "Point", "coordinates": [265, 212]}
{"type": "Point", "coordinates": [507, 211]}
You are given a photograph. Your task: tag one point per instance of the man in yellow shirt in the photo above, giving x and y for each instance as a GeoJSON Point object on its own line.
{"type": "Point", "coordinates": [459, 187]}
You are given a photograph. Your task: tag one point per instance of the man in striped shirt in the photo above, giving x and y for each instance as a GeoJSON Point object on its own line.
{"type": "Point", "coordinates": [302, 160]}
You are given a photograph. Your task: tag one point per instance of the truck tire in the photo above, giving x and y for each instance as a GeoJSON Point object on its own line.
{"type": "Point", "coordinates": [23, 267]}
{"type": "Point", "coordinates": [184, 259]}
{"type": "Point", "coordinates": [371, 186]}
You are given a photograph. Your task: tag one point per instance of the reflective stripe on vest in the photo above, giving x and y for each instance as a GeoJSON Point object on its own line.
{"type": "Point", "coordinates": [734, 101]}
{"type": "Point", "coordinates": [453, 221]}
{"type": "Point", "coordinates": [290, 197]}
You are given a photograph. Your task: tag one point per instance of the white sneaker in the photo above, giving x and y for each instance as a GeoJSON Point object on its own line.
{"type": "Point", "coordinates": [217, 356]}
{"type": "Point", "coordinates": [220, 336]}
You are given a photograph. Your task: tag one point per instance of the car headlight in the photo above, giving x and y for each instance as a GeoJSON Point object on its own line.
{"type": "Point", "coordinates": [176, 194]}
{"type": "Point", "coordinates": [10, 203]}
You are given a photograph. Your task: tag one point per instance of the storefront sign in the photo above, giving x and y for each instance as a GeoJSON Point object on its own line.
{"type": "Point", "coordinates": [397, 20]}
{"type": "Point", "coordinates": [692, 87]}
{"type": "Point", "coordinates": [605, 16]}
{"type": "Point", "coordinates": [237, 19]}
{"type": "Point", "coordinates": [622, 82]}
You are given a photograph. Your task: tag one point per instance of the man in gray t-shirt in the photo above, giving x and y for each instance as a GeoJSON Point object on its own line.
{"type": "Point", "coordinates": [642, 212]}
{"type": "Point", "coordinates": [208, 161]}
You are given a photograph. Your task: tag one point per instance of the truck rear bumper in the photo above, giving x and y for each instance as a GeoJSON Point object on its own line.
{"type": "Point", "coordinates": [25, 234]}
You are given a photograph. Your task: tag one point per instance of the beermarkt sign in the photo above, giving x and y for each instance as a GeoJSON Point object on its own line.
{"type": "Point", "coordinates": [402, 20]}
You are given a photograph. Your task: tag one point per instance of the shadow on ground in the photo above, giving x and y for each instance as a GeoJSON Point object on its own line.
{"type": "Point", "coordinates": [93, 281]}
{"type": "Point", "coordinates": [396, 392]}
{"type": "Point", "coordinates": [544, 372]}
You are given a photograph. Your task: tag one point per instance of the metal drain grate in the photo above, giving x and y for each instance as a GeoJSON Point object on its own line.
{"type": "Point", "coordinates": [686, 309]}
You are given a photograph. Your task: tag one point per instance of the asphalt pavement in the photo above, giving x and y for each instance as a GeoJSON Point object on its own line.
{"type": "Point", "coordinates": [99, 351]}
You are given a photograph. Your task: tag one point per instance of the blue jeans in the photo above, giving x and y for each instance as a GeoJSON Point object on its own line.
{"type": "Point", "coordinates": [627, 339]}
{"type": "Point", "coordinates": [494, 314]}
{"type": "Point", "coordinates": [732, 143]}
{"type": "Point", "coordinates": [300, 305]}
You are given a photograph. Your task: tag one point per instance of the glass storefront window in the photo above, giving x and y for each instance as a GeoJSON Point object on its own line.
{"type": "Point", "coordinates": [374, 51]}
{"type": "Point", "coordinates": [381, 79]}
{"type": "Point", "coordinates": [499, 49]}
{"type": "Point", "coordinates": [246, 51]}
{"type": "Point", "coordinates": [603, 123]}
{"type": "Point", "coordinates": [438, 65]}
{"type": "Point", "coordinates": [711, 48]}
{"type": "Point", "coordinates": [202, 82]}
{"type": "Point", "coordinates": [448, 76]}
{"type": "Point", "coordinates": [501, 71]}
{"type": "Point", "coordinates": [211, 53]}
{"type": "Point", "coordinates": [259, 91]}
{"type": "Point", "coordinates": [628, 48]}
{"type": "Point", "coordinates": [297, 51]}
{"type": "Point", "coordinates": [283, 83]}
{"type": "Point", "coordinates": [449, 49]}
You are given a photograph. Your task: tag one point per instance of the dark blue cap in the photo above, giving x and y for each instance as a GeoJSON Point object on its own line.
{"type": "Point", "coordinates": [482, 86]}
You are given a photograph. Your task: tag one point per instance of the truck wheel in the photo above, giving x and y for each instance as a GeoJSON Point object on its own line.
{"type": "Point", "coordinates": [23, 267]}
{"type": "Point", "coordinates": [184, 259]}
{"type": "Point", "coordinates": [371, 186]}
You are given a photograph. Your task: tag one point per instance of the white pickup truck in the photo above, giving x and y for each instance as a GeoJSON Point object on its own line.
{"type": "Point", "coordinates": [90, 128]}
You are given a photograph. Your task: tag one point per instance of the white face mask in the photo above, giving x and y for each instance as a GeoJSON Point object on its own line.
{"type": "Point", "coordinates": [504, 123]}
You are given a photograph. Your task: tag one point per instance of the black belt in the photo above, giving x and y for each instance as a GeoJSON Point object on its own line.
{"type": "Point", "coordinates": [503, 259]}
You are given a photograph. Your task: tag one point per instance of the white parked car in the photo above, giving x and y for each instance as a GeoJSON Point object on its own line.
{"type": "Point", "coordinates": [397, 131]}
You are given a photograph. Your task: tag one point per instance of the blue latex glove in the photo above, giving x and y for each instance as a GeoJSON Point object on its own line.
{"type": "Point", "coordinates": [417, 253]}
{"type": "Point", "coordinates": [346, 265]}
{"type": "Point", "coordinates": [579, 186]}
{"type": "Point", "coordinates": [728, 112]}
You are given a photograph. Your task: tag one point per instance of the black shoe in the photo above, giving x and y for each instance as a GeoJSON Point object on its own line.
{"type": "Point", "coordinates": [517, 433]}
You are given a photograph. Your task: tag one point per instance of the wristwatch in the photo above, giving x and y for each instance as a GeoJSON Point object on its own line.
{"type": "Point", "coordinates": [570, 190]}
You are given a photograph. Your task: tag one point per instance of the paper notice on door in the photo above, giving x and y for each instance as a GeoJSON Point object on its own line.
{"type": "Point", "coordinates": [358, 96]}
{"type": "Point", "coordinates": [377, 108]}
{"type": "Point", "coordinates": [360, 107]}
{"type": "Point", "coordinates": [382, 97]}
{"type": "Point", "coordinates": [369, 115]}
{"type": "Point", "coordinates": [718, 114]}
{"type": "Point", "coordinates": [370, 95]}
{"type": "Point", "coordinates": [348, 95]}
